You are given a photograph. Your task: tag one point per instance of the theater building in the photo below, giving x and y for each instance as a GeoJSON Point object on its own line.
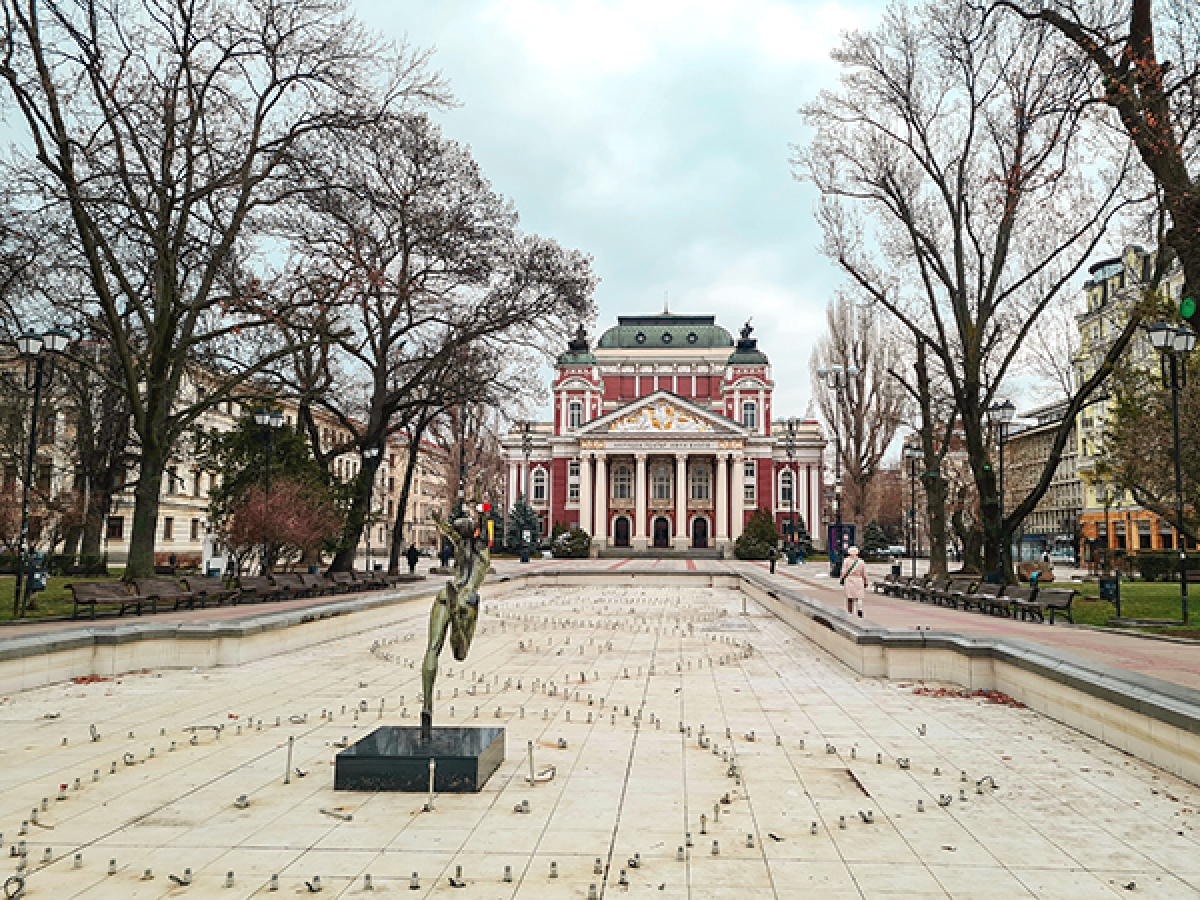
{"type": "Point", "coordinates": [665, 436]}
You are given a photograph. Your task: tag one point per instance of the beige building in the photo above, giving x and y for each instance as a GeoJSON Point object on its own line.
{"type": "Point", "coordinates": [1114, 287]}
{"type": "Point", "coordinates": [183, 533]}
{"type": "Point", "coordinates": [1053, 525]}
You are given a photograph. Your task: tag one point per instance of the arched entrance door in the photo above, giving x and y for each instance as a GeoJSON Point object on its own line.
{"type": "Point", "coordinates": [699, 533]}
{"type": "Point", "coordinates": [621, 532]}
{"type": "Point", "coordinates": [662, 532]}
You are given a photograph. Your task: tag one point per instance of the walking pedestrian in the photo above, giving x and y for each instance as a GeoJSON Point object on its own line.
{"type": "Point", "coordinates": [412, 556]}
{"type": "Point", "coordinates": [771, 557]}
{"type": "Point", "coordinates": [445, 554]}
{"type": "Point", "coordinates": [854, 579]}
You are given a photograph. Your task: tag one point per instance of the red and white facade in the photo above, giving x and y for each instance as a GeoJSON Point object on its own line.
{"type": "Point", "coordinates": [663, 437]}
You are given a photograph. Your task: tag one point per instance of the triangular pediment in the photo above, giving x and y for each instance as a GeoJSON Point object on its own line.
{"type": "Point", "coordinates": [662, 413]}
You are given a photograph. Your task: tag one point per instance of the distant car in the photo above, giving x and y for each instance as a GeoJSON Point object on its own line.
{"type": "Point", "coordinates": [896, 550]}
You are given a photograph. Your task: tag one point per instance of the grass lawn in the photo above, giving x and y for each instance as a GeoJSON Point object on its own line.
{"type": "Point", "coordinates": [54, 601]}
{"type": "Point", "coordinates": [1139, 600]}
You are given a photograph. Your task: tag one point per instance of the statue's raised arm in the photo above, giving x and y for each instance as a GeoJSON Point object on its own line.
{"type": "Point", "coordinates": [448, 530]}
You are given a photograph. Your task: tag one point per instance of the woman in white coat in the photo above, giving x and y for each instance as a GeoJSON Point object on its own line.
{"type": "Point", "coordinates": [854, 579]}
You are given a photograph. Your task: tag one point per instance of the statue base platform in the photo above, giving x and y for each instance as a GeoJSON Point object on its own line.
{"type": "Point", "coordinates": [396, 758]}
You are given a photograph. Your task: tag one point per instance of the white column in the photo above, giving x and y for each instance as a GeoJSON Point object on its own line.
{"type": "Point", "coordinates": [639, 525]}
{"type": "Point", "coordinates": [762, 413]}
{"type": "Point", "coordinates": [722, 498]}
{"type": "Point", "coordinates": [681, 540]}
{"type": "Point", "coordinates": [815, 528]}
{"type": "Point", "coordinates": [512, 486]}
{"type": "Point", "coordinates": [600, 532]}
{"type": "Point", "coordinates": [585, 491]}
{"type": "Point", "coordinates": [737, 507]}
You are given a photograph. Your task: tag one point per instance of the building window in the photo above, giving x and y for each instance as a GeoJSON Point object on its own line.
{"type": "Point", "coordinates": [622, 487]}
{"type": "Point", "coordinates": [660, 484]}
{"type": "Point", "coordinates": [116, 528]}
{"type": "Point", "coordinates": [574, 414]}
{"type": "Point", "coordinates": [573, 481]}
{"type": "Point", "coordinates": [195, 484]}
{"type": "Point", "coordinates": [701, 483]}
{"type": "Point", "coordinates": [749, 480]}
{"type": "Point", "coordinates": [391, 485]}
{"type": "Point", "coordinates": [749, 414]}
{"type": "Point", "coordinates": [539, 485]}
{"type": "Point", "coordinates": [195, 529]}
{"type": "Point", "coordinates": [168, 529]}
{"type": "Point", "coordinates": [787, 490]}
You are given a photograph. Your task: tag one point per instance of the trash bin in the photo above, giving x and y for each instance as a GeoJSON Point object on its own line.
{"type": "Point", "coordinates": [896, 567]}
{"type": "Point", "coordinates": [38, 575]}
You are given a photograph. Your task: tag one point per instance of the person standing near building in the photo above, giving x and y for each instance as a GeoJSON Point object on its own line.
{"type": "Point", "coordinates": [412, 556]}
{"type": "Point", "coordinates": [854, 579]}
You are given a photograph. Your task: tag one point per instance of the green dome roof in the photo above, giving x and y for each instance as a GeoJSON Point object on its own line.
{"type": "Point", "coordinates": [665, 330]}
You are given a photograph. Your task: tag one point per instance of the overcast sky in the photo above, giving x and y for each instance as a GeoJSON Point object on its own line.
{"type": "Point", "coordinates": [654, 135]}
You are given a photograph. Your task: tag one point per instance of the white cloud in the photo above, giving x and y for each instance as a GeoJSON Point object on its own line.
{"type": "Point", "coordinates": [655, 135]}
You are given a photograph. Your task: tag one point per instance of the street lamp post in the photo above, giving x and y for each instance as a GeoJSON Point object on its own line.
{"type": "Point", "coordinates": [526, 451]}
{"type": "Point", "coordinates": [368, 455]}
{"type": "Point", "coordinates": [999, 415]}
{"type": "Point", "coordinates": [789, 444]}
{"type": "Point", "coordinates": [838, 381]}
{"type": "Point", "coordinates": [39, 351]}
{"type": "Point", "coordinates": [1174, 345]}
{"type": "Point", "coordinates": [914, 455]}
{"type": "Point", "coordinates": [268, 420]}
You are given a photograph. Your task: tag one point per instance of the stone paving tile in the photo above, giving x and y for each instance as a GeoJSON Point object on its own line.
{"type": "Point", "coordinates": [1070, 817]}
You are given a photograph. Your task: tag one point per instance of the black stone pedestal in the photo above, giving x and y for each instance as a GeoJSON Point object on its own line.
{"type": "Point", "coordinates": [396, 758]}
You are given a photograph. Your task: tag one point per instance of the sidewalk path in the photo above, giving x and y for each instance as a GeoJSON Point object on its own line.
{"type": "Point", "coordinates": [1177, 662]}
{"type": "Point", "coordinates": [1169, 660]}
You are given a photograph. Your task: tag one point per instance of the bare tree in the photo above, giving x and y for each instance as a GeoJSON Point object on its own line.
{"type": "Point", "coordinates": [421, 270]}
{"type": "Point", "coordinates": [962, 193]}
{"type": "Point", "coordinates": [874, 402]}
{"type": "Point", "coordinates": [935, 425]}
{"type": "Point", "coordinates": [165, 130]}
{"type": "Point", "coordinates": [1147, 55]}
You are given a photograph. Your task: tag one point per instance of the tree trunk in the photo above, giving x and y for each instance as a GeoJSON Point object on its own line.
{"type": "Point", "coordinates": [935, 509]}
{"type": "Point", "coordinates": [93, 525]}
{"type": "Point", "coordinates": [398, 530]}
{"type": "Point", "coordinates": [932, 481]}
{"type": "Point", "coordinates": [145, 516]}
{"type": "Point", "coordinates": [356, 516]}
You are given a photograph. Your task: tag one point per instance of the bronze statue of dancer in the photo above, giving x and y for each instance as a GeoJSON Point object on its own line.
{"type": "Point", "coordinates": [456, 607]}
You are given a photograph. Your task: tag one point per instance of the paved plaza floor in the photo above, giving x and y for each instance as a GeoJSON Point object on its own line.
{"type": "Point", "coordinates": [601, 680]}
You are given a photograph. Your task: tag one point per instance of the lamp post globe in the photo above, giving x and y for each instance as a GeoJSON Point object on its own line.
{"type": "Point", "coordinates": [56, 340]}
{"type": "Point", "coordinates": [262, 417]}
{"type": "Point", "coordinates": [29, 343]}
{"type": "Point", "coordinates": [1185, 339]}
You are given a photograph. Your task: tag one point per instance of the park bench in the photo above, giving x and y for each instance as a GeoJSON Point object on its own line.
{"type": "Point", "coordinates": [1016, 599]}
{"type": "Point", "coordinates": [290, 585]}
{"type": "Point", "coordinates": [318, 585]}
{"type": "Point", "coordinates": [344, 582]}
{"type": "Point", "coordinates": [257, 587]}
{"type": "Point", "coordinates": [370, 581]}
{"type": "Point", "coordinates": [1052, 600]}
{"type": "Point", "coordinates": [916, 587]}
{"type": "Point", "coordinates": [897, 587]}
{"type": "Point", "coordinates": [211, 589]}
{"type": "Point", "coordinates": [952, 592]}
{"type": "Point", "coordinates": [984, 596]}
{"type": "Point", "coordinates": [884, 585]}
{"type": "Point", "coordinates": [931, 589]}
{"type": "Point", "coordinates": [167, 590]}
{"type": "Point", "coordinates": [104, 593]}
